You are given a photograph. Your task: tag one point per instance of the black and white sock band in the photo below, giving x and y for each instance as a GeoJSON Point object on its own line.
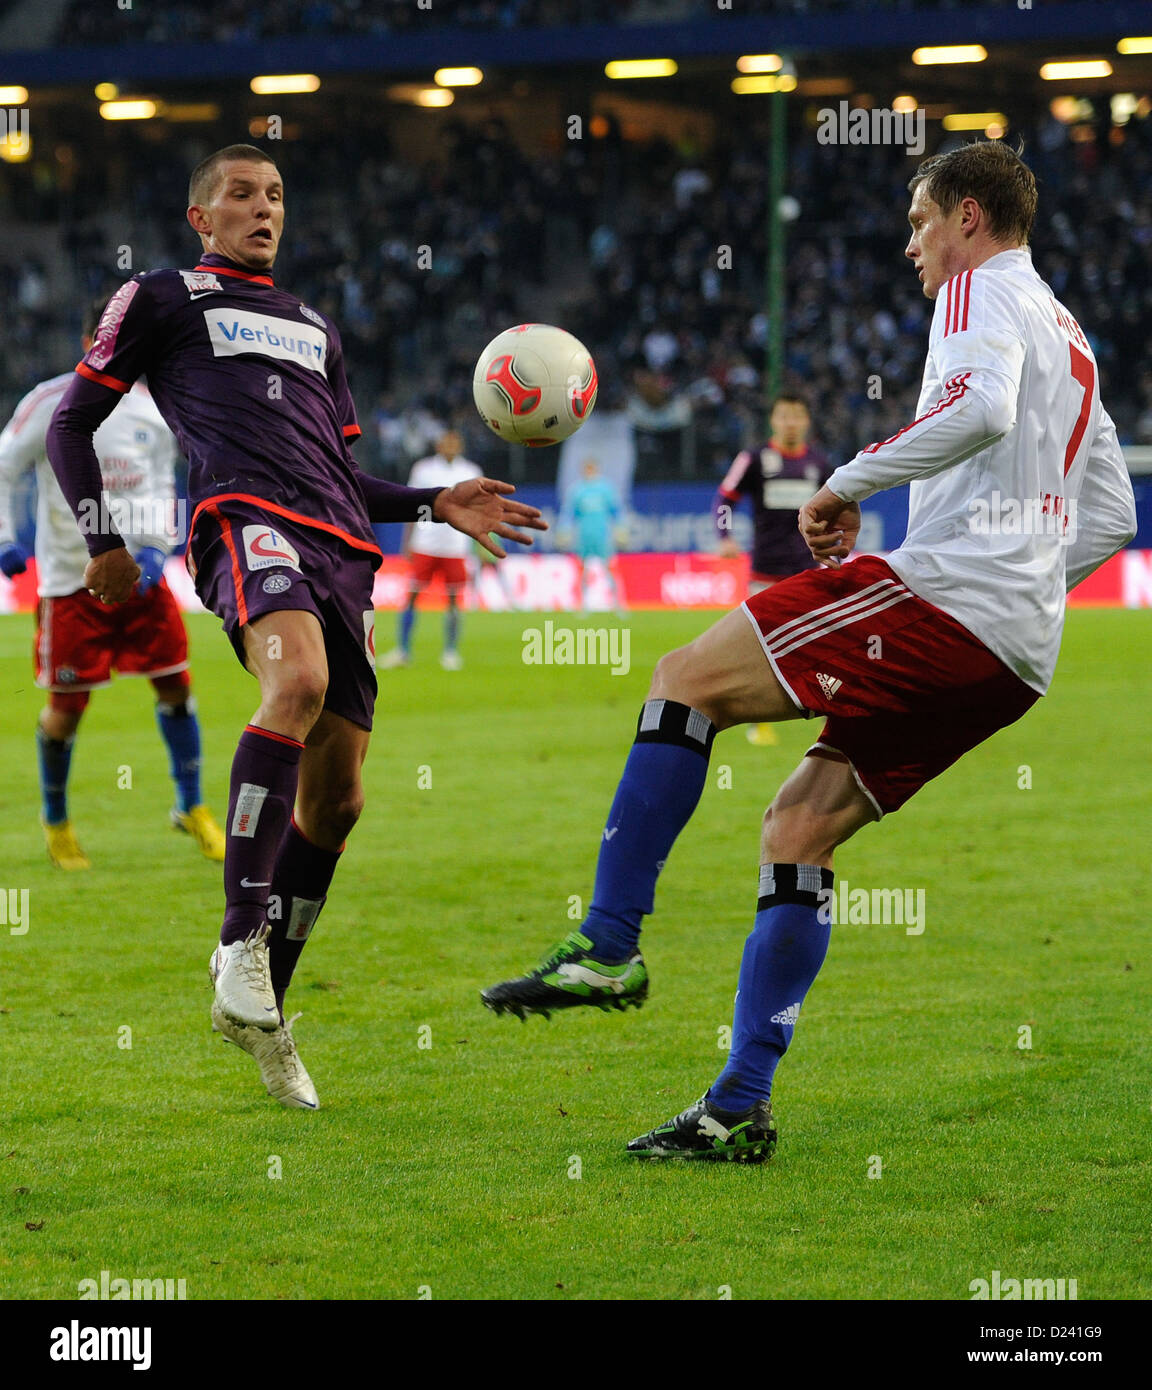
{"type": "Point", "coordinates": [793, 883]}
{"type": "Point", "coordinates": [665, 721]}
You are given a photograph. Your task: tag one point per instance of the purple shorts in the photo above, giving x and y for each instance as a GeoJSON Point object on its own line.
{"type": "Point", "coordinates": [247, 562]}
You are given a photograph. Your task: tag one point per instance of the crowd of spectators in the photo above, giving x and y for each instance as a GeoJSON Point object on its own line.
{"type": "Point", "coordinates": [677, 284]}
{"type": "Point", "coordinates": [184, 21]}
{"type": "Point", "coordinates": [652, 253]}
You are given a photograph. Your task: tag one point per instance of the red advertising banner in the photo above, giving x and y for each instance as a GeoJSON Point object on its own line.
{"type": "Point", "coordinates": [552, 583]}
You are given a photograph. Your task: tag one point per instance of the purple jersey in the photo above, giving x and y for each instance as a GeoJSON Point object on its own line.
{"type": "Point", "coordinates": [252, 384]}
{"type": "Point", "coordinates": [779, 483]}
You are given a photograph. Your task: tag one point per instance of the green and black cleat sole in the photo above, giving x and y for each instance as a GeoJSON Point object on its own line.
{"type": "Point", "coordinates": [571, 977]}
{"type": "Point", "coordinates": [523, 1011]}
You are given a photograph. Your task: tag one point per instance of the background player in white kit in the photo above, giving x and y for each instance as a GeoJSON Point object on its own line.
{"type": "Point", "coordinates": [913, 660]}
{"type": "Point", "coordinates": [433, 549]}
{"type": "Point", "coordinates": [79, 641]}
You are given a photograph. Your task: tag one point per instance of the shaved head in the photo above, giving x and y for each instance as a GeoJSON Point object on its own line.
{"type": "Point", "coordinates": [207, 175]}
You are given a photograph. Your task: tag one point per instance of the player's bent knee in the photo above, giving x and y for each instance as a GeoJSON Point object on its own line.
{"type": "Point", "coordinates": [297, 691]}
{"type": "Point", "coordinates": [662, 676]}
{"type": "Point", "coordinates": [173, 689]}
{"type": "Point", "coordinates": [68, 703]}
{"type": "Point", "coordinates": [338, 812]}
{"type": "Point", "coordinates": [672, 679]}
{"type": "Point", "coordinates": [799, 835]}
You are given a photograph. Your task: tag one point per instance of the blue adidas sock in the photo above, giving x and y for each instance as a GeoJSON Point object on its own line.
{"type": "Point", "coordinates": [662, 782]}
{"type": "Point", "coordinates": [782, 957]}
{"type": "Point", "coordinates": [55, 756]}
{"type": "Point", "coordinates": [181, 732]}
{"type": "Point", "coordinates": [407, 623]}
{"type": "Point", "coordinates": [451, 627]}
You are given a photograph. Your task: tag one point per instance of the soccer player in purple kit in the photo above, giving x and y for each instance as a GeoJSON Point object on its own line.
{"type": "Point", "coordinates": [251, 381]}
{"type": "Point", "coordinates": [778, 478]}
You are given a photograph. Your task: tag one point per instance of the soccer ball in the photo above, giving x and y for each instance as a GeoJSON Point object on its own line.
{"type": "Point", "coordinates": [534, 384]}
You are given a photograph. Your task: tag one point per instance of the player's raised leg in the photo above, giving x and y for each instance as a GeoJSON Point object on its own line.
{"type": "Point", "coordinates": [180, 729]}
{"type": "Point", "coordinates": [285, 651]}
{"type": "Point", "coordinates": [719, 680]}
{"type": "Point", "coordinates": [55, 736]}
{"type": "Point", "coordinates": [818, 807]}
{"type": "Point", "coordinates": [329, 799]}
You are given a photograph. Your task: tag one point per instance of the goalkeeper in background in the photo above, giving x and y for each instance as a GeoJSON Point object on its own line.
{"type": "Point", "coordinates": [589, 517]}
{"type": "Point", "coordinates": [80, 641]}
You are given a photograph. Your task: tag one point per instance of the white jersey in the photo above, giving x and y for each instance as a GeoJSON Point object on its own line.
{"type": "Point", "coordinates": [437, 537]}
{"type": "Point", "coordinates": [1019, 489]}
{"type": "Point", "coordinates": [136, 452]}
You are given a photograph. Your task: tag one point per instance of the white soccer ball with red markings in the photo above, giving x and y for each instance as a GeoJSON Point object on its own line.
{"type": "Point", "coordinates": [534, 384]}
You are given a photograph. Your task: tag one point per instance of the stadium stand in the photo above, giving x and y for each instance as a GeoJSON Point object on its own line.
{"type": "Point", "coordinates": [616, 237]}
{"type": "Point", "coordinates": [85, 23]}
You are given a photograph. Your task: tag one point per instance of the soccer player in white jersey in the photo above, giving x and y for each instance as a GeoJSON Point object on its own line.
{"type": "Point", "coordinates": [79, 641]}
{"type": "Point", "coordinates": [435, 549]}
{"type": "Point", "coordinates": [912, 661]}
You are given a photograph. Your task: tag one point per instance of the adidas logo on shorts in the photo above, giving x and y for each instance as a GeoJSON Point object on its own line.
{"type": "Point", "coordinates": [789, 1015]}
{"type": "Point", "coordinates": [828, 684]}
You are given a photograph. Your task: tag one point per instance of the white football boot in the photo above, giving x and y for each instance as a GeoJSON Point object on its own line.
{"type": "Point", "coordinates": [243, 983]}
{"type": "Point", "coordinates": [281, 1069]}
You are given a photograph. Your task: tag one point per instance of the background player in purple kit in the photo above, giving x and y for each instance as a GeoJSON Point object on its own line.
{"type": "Point", "coordinates": [252, 383]}
{"type": "Point", "coordinates": [778, 479]}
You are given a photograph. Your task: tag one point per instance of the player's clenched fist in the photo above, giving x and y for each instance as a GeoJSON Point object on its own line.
{"type": "Point", "coordinates": [480, 507]}
{"type": "Point", "coordinates": [110, 577]}
{"type": "Point", "coordinates": [830, 527]}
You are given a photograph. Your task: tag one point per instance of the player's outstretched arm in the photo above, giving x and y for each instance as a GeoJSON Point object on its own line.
{"type": "Point", "coordinates": [482, 509]}
{"type": "Point", "coordinates": [830, 527]}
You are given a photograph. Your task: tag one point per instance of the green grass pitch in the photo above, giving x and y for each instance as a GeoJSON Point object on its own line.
{"type": "Point", "coordinates": [458, 1155]}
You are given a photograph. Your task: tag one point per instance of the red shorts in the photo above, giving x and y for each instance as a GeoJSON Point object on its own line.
{"type": "Point", "coordinates": [80, 641]}
{"type": "Point", "coordinates": [905, 688]}
{"type": "Point", "coordinates": [451, 568]}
